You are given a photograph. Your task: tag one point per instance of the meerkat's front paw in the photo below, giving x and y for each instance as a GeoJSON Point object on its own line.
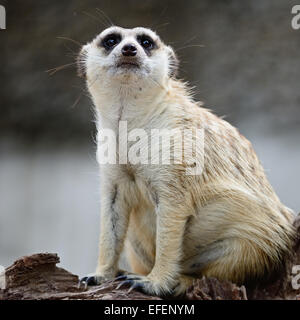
{"type": "Point", "coordinates": [146, 285]}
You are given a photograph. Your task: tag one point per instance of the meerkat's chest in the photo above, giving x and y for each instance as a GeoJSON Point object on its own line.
{"type": "Point", "coordinates": [136, 186]}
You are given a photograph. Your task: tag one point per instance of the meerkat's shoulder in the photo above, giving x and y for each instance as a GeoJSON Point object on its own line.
{"type": "Point", "coordinates": [181, 93]}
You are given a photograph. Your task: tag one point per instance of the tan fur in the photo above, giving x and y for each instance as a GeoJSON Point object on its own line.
{"type": "Point", "coordinates": [226, 223]}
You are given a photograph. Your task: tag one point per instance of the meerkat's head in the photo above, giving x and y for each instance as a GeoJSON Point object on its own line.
{"type": "Point", "coordinates": [127, 56]}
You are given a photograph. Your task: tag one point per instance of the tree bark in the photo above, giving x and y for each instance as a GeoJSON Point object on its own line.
{"type": "Point", "coordinates": [37, 277]}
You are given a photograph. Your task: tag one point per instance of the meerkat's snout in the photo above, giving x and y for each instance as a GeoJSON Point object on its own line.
{"type": "Point", "coordinates": [128, 57]}
{"type": "Point", "coordinates": [129, 50]}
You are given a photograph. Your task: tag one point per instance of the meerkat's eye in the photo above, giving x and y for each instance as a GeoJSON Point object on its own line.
{"type": "Point", "coordinates": [110, 41]}
{"type": "Point", "coordinates": [146, 42]}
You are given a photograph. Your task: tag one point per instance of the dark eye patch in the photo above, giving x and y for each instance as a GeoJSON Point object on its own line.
{"type": "Point", "coordinates": [110, 41]}
{"type": "Point", "coordinates": [146, 42]}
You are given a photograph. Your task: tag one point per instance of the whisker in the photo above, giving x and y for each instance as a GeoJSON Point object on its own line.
{"type": "Point", "coordinates": [72, 55]}
{"type": "Point", "coordinates": [190, 40]}
{"type": "Point", "coordinates": [162, 25]}
{"type": "Point", "coordinates": [71, 52]}
{"type": "Point", "coordinates": [76, 101]}
{"type": "Point", "coordinates": [110, 23]}
{"type": "Point", "coordinates": [54, 70]}
{"type": "Point", "coordinates": [84, 92]}
{"type": "Point", "coordinates": [191, 46]}
{"type": "Point", "coordinates": [105, 22]}
{"type": "Point", "coordinates": [69, 39]}
{"type": "Point", "coordinates": [159, 17]}
{"type": "Point", "coordinates": [93, 17]}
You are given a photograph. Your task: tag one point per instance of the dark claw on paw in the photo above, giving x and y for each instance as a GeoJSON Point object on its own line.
{"type": "Point", "coordinates": [125, 283]}
{"type": "Point", "coordinates": [90, 281]}
{"type": "Point", "coordinates": [137, 286]}
{"type": "Point", "coordinates": [121, 277]}
{"type": "Point", "coordinates": [126, 277]}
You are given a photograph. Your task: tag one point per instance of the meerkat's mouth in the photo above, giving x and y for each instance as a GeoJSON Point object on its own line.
{"type": "Point", "coordinates": [128, 64]}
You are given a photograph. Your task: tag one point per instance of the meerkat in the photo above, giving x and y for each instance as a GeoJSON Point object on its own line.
{"type": "Point", "coordinates": [226, 223]}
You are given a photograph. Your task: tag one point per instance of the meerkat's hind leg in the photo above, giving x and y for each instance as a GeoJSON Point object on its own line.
{"type": "Point", "coordinates": [183, 284]}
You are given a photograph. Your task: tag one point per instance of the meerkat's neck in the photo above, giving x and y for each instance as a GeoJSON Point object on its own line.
{"type": "Point", "coordinates": [117, 102]}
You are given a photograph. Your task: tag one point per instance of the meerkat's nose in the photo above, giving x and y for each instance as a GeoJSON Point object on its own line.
{"type": "Point", "coordinates": [129, 50]}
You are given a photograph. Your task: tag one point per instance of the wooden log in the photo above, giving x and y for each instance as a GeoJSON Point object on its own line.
{"type": "Point", "coordinates": [37, 277]}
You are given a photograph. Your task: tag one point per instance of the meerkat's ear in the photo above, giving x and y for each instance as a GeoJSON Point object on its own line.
{"type": "Point", "coordinates": [173, 63]}
{"type": "Point", "coordinates": [81, 66]}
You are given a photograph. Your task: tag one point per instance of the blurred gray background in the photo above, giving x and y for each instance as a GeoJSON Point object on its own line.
{"type": "Point", "coordinates": [247, 69]}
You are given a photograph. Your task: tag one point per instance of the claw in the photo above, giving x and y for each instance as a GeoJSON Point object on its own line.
{"type": "Point", "coordinates": [136, 286]}
{"type": "Point", "coordinates": [127, 277]}
{"type": "Point", "coordinates": [122, 277]}
{"type": "Point", "coordinates": [126, 282]}
{"type": "Point", "coordinates": [82, 281]}
{"type": "Point", "coordinates": [87, 281]}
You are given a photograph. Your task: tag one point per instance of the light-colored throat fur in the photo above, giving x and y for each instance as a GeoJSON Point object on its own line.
{"type": "Point", "coordinates": [133, 102]}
